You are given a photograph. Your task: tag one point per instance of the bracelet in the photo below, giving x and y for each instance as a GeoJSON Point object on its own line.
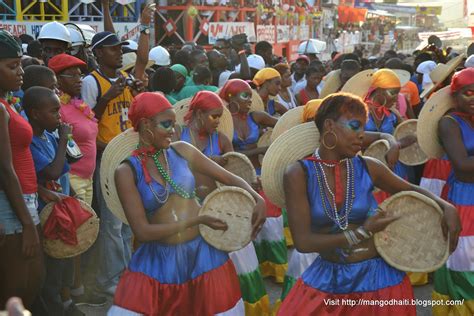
{"type": "Point", "coordinates": [348, 238]}
{"type": "Point", "coordinates": [354, 237]}
{"type": "Point", "coordinates": [364, 232]}
{"type": "Point", "coordinates": [351, 238]}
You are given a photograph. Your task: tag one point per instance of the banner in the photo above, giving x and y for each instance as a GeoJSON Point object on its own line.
{"type": "Point", "coordinates": [266, 33]}
{"type": "Point", "coordinates": [226, 30]}
{"type": "Point", "coordinates": [283, 33]}
{"type": "Point", "coordinates": [124, 30]}
{"type": "Point", "coordinates": [453, 34]}
{"type": "Point", "coordinates": [351, 15]}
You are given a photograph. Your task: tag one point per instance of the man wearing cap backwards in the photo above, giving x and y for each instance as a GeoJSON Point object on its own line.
{"type": "Point", "coordinates": [55, 39]}
{"type": "Point", "coordinates": [109, 93]}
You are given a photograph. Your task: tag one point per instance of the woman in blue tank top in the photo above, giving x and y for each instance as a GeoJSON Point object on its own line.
{"type": "Point", "coordinates": [268, 83]}
{"type": "Point", "coordinates": [174, 271]}
{"type": "Point", "coordinates": [325, 212]}
{"type": "Point", "coordinates": [455, 280]}
{"type": "Point", "coordinates": [202, 120]}
{"type": "Point", "coordinates": [238, 94]}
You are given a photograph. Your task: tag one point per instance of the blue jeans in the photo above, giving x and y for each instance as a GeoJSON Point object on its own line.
{"type": "Point", "coordinates": [114, 240]}
{"type": "Point", "coordinates": [9, 222]}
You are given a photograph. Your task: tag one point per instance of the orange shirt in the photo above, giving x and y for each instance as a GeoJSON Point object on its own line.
{"type": "Point", "coordinates": [410, 90]}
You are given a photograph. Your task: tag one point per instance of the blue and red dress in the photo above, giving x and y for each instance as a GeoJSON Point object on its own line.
{"type": "Point", "coordinates": [455, 280]}
{"type": "Point", "coordinates": [325, 284]}
{"type": "Point", "coordinates": [245, 260]}
{"type": "Point", "coordinates": [191, 278]}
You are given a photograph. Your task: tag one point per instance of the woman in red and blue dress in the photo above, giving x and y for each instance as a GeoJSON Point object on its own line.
{"type": "Point", "coordinates": [382, 95]}
{"type": "Point", "coordinates": [340, 229]}
{"type": "Point", "coordinates": [202, 119]}
{"type": "Point", "coordinates": [270, 244]}
{"type": "Point", "coordinates": [455, 280]}
{"type": "Point", "coordinates": [174, 271]}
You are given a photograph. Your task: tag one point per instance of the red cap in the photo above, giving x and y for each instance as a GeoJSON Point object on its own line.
{"type": "Point", "coordinates": [147, 105]}
{"type": "Point", "coordinates": [64, 61]}
{"type": "Point", "coordinates": [304, 57]}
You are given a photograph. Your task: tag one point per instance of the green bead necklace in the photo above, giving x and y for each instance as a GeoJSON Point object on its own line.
{"type": "Point", "coordinates": [177, 188]}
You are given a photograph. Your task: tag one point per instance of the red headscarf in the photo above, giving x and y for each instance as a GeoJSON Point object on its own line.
{"type": "Point", "coordinates": [204, 101]}
{"type": "Point", "coordinates": [147, 105]}
{"type": "Point", "coordinates": [462, 78]}
{"type": "Point", "coordinates": [233, 87]}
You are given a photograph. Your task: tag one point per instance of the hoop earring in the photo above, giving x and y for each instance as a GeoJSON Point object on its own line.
{"type": "Point", "coordinates": [384, 101]}
{"type": "Point", "coordinates": [238, 107]}
{"type": "Point", "coordinates": [152, 135]}
{"type": "Point", "coordinates": [324, 140]}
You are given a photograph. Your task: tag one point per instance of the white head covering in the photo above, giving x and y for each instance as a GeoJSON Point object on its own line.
{"type": "Point", "coordinates": [426, 68]}
{"type": "Point", "coordinates": [255, 61]}
{"type": "Point", "coordinates": [469, 62]}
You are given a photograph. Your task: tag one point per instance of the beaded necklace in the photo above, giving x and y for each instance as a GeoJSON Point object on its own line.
{"type": "Point", "coordinates": [340, 218]}
{"type": "Point", "coordinates": [166, 174]}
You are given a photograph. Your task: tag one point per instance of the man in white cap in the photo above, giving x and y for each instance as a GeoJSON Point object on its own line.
{"type": "Point", "coordinates": [55, 39]}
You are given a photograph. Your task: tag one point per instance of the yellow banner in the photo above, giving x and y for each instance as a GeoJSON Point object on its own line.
{"type": "Point", "coordinates": [429, 10]}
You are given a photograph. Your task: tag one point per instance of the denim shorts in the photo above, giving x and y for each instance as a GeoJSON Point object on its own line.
{"type": "Point", "coordinates": [9, 222]}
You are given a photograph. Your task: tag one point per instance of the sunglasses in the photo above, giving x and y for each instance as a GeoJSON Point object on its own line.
{"type": "Point", "coordinates": [392, 92]}
{"type": "Point", "coordinates": [75, 76]}
{"type": "Point", "coordinates": [353, 125]}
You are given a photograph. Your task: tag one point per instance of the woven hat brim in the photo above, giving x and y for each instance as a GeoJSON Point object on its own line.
{"type": "Point", "coordinates": [415, 241]}
{"type": "Point", "coordinates": [440, 73]}
{"type": "Point", "coordinates": [377, 150]}
{"type": "Point", "coordinates": [403, 75]}
{"type": "Point", "coordinates": [360, 83]}
{"type": "Point", "coordinates": [288, 120]}
{"type": "Point", "coordinates": [130, 66]}
{"type": "Point", "coordinates": [118, 150]}
{"type": "Point", "coordinates": [264, 141]}
{"type": "Point", "coordinates": [86, 234]}
{"type": "Point", "coordinates": [412, 155]}
{"type": "Point", "coordinates": [234, 206]}
{"type": "Point", "coordinates": [427, 128]}
{"type": "Point", "coordinates": [257, 102]}
{"type": "Point", "coordinates": [297, 143]}
{"type": "Point", "coordinates": [241, 166]}
{"type": "Point", "coordinates": [226, 124]}
{"type": "Point", "coordinates": [331, 84]}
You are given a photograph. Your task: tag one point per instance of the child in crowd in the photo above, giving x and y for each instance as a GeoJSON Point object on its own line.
{"type": "Point", "coordinates": [314, 75]}
{"type": "Point", "coordinates": [42, 106]}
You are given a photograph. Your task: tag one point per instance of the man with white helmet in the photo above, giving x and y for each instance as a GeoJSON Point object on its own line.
{"type": "Point", "coordinates": [160, 56]}
{"type": "Point", "coordinates": [55, 39]}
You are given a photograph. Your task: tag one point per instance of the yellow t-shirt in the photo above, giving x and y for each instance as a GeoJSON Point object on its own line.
{"type": "Point", "coordinates": [115, 118]}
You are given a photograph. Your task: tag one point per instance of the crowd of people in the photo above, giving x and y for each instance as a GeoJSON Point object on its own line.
{"type": "Point", "coordinates": [70, 94]}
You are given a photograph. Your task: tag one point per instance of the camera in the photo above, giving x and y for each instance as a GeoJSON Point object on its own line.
{"type": "Point", "coordinates": [129, 82]}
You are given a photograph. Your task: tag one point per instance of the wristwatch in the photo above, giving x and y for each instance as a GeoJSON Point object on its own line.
{"type": "Point", "coordinates": [145, 29]}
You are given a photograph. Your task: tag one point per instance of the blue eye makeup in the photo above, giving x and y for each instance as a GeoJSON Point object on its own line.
{"type": "Point", "coordinates": [166, 125]}
{"type": "Point", "coordinates": [353, 125]}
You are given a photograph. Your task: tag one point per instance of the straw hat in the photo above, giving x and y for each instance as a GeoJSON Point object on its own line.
{"type": "Point", "coordinates": [411, 155]}
{"type": "Point", "coordinates": [235, 207]}
{"type": "Point", "coordinates": [360, 83]}
{"type": "Point", "coordinates": [288, 120]}
{"type": "Point", "coordinates": [130, 59]}
{"type": "Point", "coordinates": [241, 166]}
{"type": "Point", "coordinates": [377, 150]}
{"type": "Point", "coordinates": [264, 141]}
{"type": "Point", "coordinates": [119, 149]}
{"type": "Point", "coordinates": [414, 242]}
{"type": "Point", "coordinates": [257, 102]}
{"type": "Point", "coordinates": [332, 83]}
{"type": "Point", "coordinates": [299, 142]}
{"type": "Point", "coordinates": [226, 124]}
{"type": "Point", "coordinates": [86, 234]}
{"type": "Point", "coordinates": [440, 73]}
{"type": "Point", "coordinates": [427, 128]}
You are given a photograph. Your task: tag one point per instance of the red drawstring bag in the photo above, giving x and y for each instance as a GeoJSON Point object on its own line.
{"type": "Point", "coordinates": [66, 217]}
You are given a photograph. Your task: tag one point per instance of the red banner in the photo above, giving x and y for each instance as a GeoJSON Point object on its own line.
{"type": "Point", "coordinates": [351, 15]}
